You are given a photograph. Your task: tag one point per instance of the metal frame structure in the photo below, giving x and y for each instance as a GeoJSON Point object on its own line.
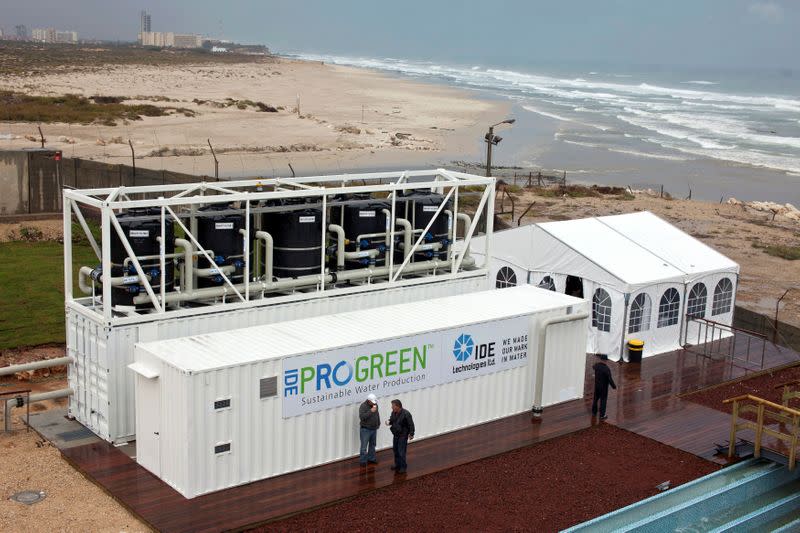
{"type": "Point", "coordinates": [180, 202]}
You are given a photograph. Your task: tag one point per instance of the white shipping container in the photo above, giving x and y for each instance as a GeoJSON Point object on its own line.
{"type": "Point", "coordinates": [218, 410]}
{"type": "Point", "coordinates": [104, 388]}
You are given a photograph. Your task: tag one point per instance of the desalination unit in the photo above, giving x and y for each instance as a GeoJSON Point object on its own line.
{"type": "Point", "coordinates": [180, 260]}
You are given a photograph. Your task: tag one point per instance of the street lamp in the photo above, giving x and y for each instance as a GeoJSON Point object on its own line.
{"type": "Point", "coordinates": [492, 139]}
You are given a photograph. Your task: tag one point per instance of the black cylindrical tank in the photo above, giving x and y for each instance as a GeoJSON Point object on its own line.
{"type": "Point", "coordinates": [420, 208]}
{"type": "Point", "coordinates": [363, 217]}
{"type": "Point", "coordinates": [142, 227]}
{"type": "Point", "coordinates": [218, 231]}
{"type": "Point", "coordinates": [296, 238]}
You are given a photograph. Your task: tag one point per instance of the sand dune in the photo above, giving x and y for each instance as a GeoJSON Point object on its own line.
{"type": "Point", "coordinates": [348, 118]}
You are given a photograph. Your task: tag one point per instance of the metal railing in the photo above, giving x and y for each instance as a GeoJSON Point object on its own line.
{"type": "Point", "coordinates": [713, 344]}
{"type": "Point", "coordinates": [15, 398]}
{"type": "Point", "coordinates": [19, 398]}
{"type": "Point", "coordinates": [777, 413]}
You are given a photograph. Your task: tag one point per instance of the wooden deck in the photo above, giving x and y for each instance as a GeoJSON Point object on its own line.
{"type": "Point", "coordinates": [647, 402]}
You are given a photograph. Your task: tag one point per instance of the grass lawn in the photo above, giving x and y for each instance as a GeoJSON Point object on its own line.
{"type": "Point", "coordinates": [32, 291]}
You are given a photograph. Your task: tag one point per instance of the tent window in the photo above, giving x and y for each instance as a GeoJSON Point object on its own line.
{"type": "Point", "coordinates": [506, 278]}
{"type": "Point", "coordinates": [574, 286]}
{"type": "Point", "coordinates": [601, 310]}
{"type": "Point", "coordinates": [640, 314]}
{"type": "Point", "coordinates": [669, 308]}
{"type": "Point", "coordinates": [698, 296]}
{"type": "Point", "coordinates": [723, 297]}
{"type": "Point", "coordinates": [548, 283]}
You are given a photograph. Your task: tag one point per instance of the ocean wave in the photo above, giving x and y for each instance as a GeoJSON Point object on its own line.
{"type": "Point", "coordinates": [546, 114]}
{"type": "Point", "coordinates": [700, 119]}
{"type": "Point", "coordinates": [649, 155]}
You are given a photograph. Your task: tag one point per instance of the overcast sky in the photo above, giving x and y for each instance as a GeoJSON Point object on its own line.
{"type": "Point", "coordinates": [728, 33]}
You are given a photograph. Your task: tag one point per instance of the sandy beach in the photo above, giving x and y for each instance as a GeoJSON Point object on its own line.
{"type": "Point", "coordinates": [348, 118]}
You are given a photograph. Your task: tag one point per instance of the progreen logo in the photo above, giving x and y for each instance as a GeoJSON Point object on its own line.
{"type": "Point", "coordinates": [325, 376]}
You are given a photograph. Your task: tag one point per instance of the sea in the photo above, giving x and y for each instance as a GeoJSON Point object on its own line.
{"type": "Point", "coordinates": [713, 133]}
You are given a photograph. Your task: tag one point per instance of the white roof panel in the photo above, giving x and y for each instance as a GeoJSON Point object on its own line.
{"type": "Point", "coordinates": [217, 350]}
{"type": "Point", "coordinates": [670, 243]}
{"type": "Point", "coordinates": [609, 250]}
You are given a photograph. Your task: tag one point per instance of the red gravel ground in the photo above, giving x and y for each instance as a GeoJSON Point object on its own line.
{"type": "Point", "coordinates": [762, 386]}
{"type": "Point", "coordinates": [545, 487]}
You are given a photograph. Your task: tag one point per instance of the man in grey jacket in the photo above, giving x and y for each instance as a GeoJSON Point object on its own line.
{"type": "Point", "coordinates": [370, 422]}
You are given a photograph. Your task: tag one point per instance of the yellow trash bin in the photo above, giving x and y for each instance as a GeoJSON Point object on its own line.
{"type": "Point", "coordinates": [635, 349]}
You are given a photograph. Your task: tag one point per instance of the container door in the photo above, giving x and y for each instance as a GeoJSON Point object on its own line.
{"type": "Point", "coordinates": [148, 417]}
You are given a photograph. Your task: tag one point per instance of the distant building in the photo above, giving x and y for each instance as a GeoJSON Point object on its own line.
{"type": "Point", "coordinates": [144, 22]}
{"type": "Point", "coordinates": [21, 32]}
{"type": "Point", "coordinates": [51, 35]}
{"type": "Point", "coordinates": [162, 39]}
{"type": "Point", "coordinates": [187, 41]}
{"type": "Point", "coordinates": [69, 37]}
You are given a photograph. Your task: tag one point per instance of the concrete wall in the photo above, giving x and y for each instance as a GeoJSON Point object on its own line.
{"type": "Point", "coordinates": [31, 180]}
{"type": "Point", "coordinates": [13, 183]}
{"type": "Point", "coordinates": [788, 335]}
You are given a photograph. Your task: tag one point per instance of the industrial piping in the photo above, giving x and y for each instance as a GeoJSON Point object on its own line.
{"type": "Point", "coordinates": [303, 281]}
{"type": "Point", "coordinates": [52, 395]}
{"type": "Point", "coordinates": [546, 323]}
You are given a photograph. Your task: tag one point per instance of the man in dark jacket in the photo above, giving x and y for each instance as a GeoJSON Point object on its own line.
{"type": "Point", "coordinates": [602, 379]}
{"type": "Point", "coordinates": [370, 421]}
{"type": "Point", "coordinates": [402, 426]}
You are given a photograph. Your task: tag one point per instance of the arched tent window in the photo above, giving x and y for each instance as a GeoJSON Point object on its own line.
{"type": "Point", "coordinates": [723, 297]}
{"type": "Point", "coordinates": [640, 314]}
{"type": "Point", "coordinates": [547, 283]}
{"type": "Point", "coordinates": [669, 308]}
{"type": "Point", "coordinates": [506, 278]}
{"type": "Point", "coordinates": [696, 304]}
{"type": "Point", "coordinates": [601, 310]}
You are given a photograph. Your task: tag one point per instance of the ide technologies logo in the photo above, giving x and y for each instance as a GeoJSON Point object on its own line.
{"type": "Point", "coordinates": [463, 347]}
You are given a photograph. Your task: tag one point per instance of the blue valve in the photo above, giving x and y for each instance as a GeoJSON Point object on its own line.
{"type": "Point", "coordinates": [428, 237]}
{"type": "Point", "coordinates": [217, 279]}
{"type": "Point", "coordinates": [238, 263]}
{"type": "Point", "coordinates": [219, 260]}
{"type": "Point", "coordinates": [133, 289]}
{"type": "Point", "coordinates": [154, 273]}
{"type": "Point", "coordinates": [364, 243]}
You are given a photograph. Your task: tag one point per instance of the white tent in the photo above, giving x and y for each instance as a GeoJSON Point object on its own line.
{"type": "Point", "coordinates": [644, 277]}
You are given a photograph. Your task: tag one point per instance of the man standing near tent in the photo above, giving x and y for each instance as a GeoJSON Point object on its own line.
{"type": "Point", "coordinates": [402, 426]}
{"type": "Point", "coordinates": [370, 421]}
{"type": "Point", "coordinates": [602, 379]}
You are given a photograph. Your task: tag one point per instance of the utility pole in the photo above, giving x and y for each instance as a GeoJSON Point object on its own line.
{"type": "Point", "coordinates": [216, 162]}
{"type": "Point", "coordinates": [41, 135]}
{"type": "Point", "coordinates": [492, 139]}
{"type": "Point", "coordinates": [133, 160]}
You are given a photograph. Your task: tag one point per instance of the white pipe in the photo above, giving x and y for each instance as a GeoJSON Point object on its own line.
{"type": "Point", "coordinates": [267, 238]}
{"type": "Point", "coordinates": [213, 271]}
{"type": "Point", "coordinates": [546, 323]}
{"type": "Point", "coordinates": [51, 395]}
{"type": "Point", "coordinates": [408, 234]}
{"type": "Point", "coordinates": [302, 281]}
{"type": "Point", "coordinates": [187, 275]}
{"type": "Point", "coordinates": [388, 216]}
{"type": "Point", "coordinates": [436, 246]}
{"type": "Point", "coordinates": [339, 231]}
{"type": "Point", "coordinates": [372, 252]}
{"type": "Point", "coordinates": [466, 219]}
{"type": "Point", "coordinates": [449, 225]}
{"type": "Point", "coordinates": [85, 273]}
{"type": "Point", "coordinates": [47, 363]}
